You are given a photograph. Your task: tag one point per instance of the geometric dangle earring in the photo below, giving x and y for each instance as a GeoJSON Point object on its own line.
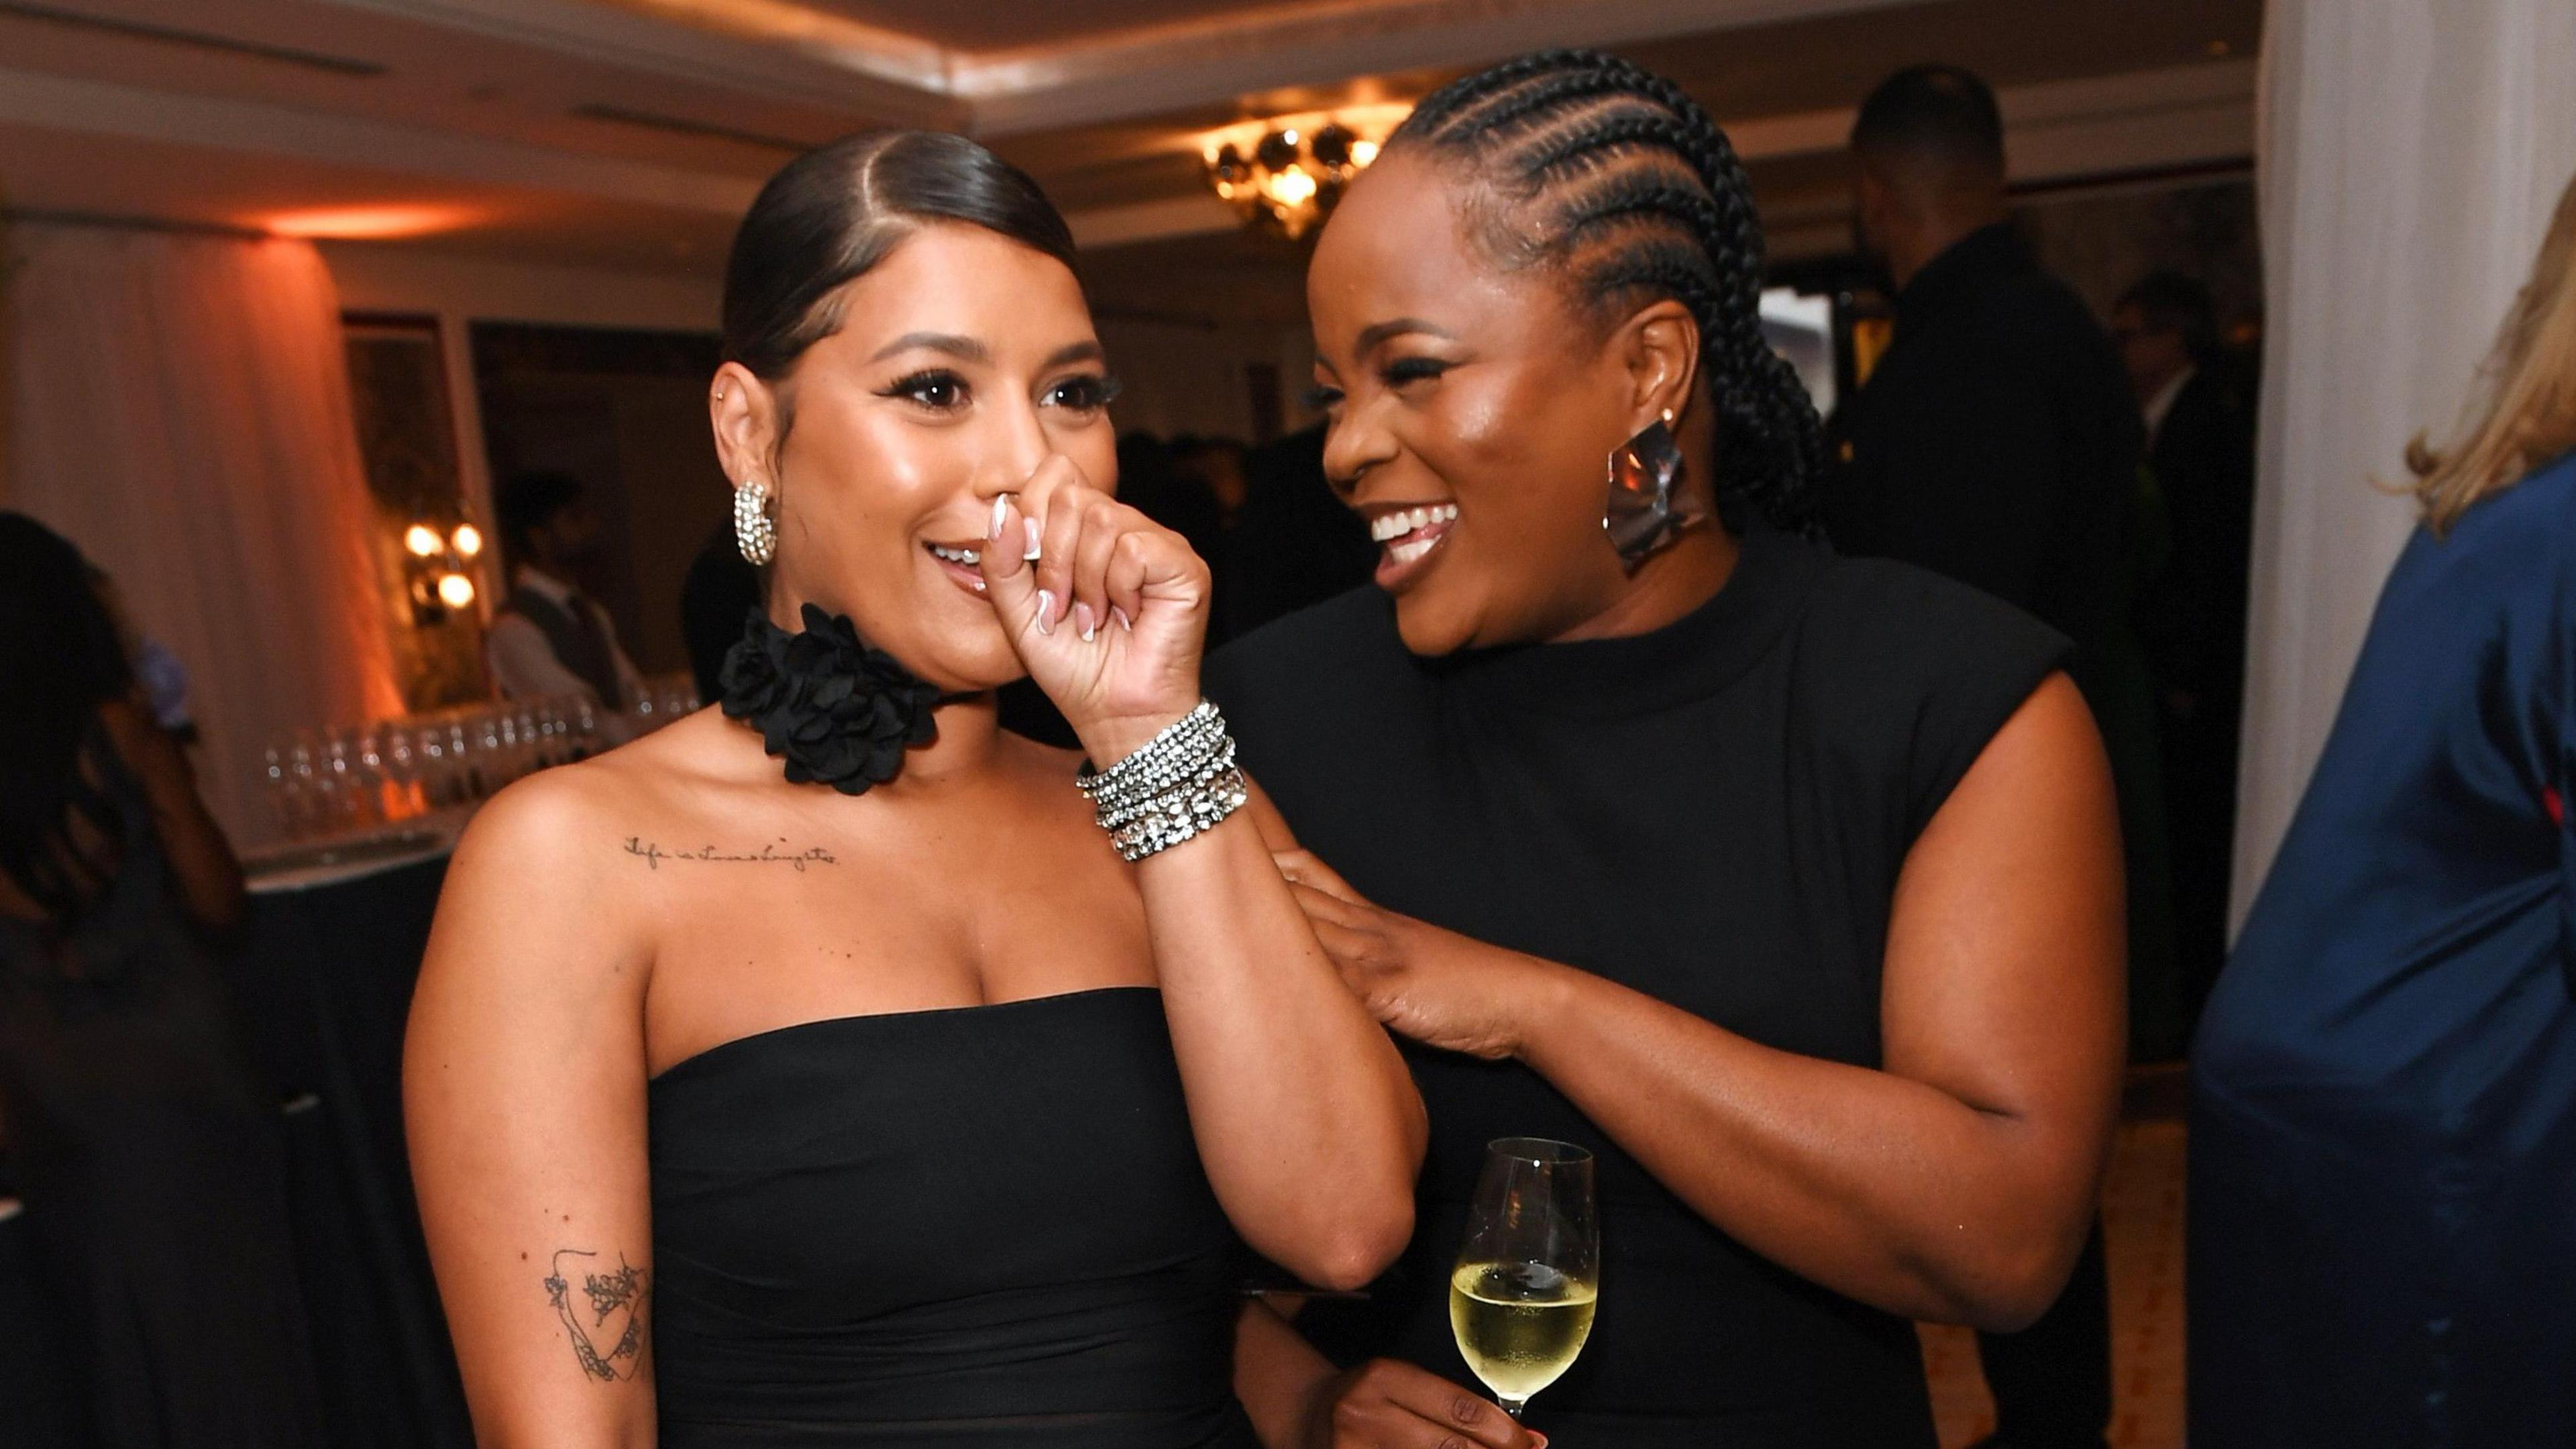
{"type": "Point", "coordinates": [1642, 513]}
{"type": "Point", "coordinates": [753, 533]}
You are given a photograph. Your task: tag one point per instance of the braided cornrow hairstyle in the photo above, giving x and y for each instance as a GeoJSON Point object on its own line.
{"type": "Point", "coordinates": [1617, 177]}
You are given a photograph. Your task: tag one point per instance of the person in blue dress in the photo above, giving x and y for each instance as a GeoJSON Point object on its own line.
{"type": "Point", "coordinates": [2383, 1158]}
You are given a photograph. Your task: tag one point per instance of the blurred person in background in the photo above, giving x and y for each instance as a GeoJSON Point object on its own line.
{"type": "Point", "coordinates": [1161, 481]}
{"type": "Point", "coordinates": [1996, 442]}
{"type": "Point", "coordinates": [1293, 543]}
{"type": "Point", "coordinates": [2198, 407]}
{"type": "Point", "coordinates": [1218, 466]}
{"type": "Point", "coordinates": [1153, 480]}
{"type": "Point", "coordinates": [2383, 1138]}
{"type": "Point", "coordinates": [548, 639]}
{"type": "Point", "coordinates": [720, 590]}
{"type": "Point", "coordinates": [157, 672]}
{"type": "Point", "coordinates": [149, 1154]}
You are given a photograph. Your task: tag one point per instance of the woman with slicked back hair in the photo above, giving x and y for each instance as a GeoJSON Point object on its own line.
{"type": "Point", "coordinates": [1787, 884]}
{"type": "Point", "coordinates": [825, 1069]}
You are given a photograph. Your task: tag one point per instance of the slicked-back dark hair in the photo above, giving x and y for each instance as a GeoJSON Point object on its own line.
{"type": "Point", "coordinates": [833, 213]}
{"type": "Point", "coordinates": [1940, 113]}
{"type": "Point", "coordinates": [1614, 177]}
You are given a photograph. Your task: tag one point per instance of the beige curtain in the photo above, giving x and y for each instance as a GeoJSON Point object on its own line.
{"type": "Point", "coordinates": [179, 408]}
{"type": "Point", "coordinates": [2410, 156]}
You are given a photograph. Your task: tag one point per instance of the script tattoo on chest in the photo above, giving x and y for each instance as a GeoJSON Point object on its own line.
{"type": "Point", "coordinates": [612, 1304]}
{"type": "Point", "coordinates": [796, 860]}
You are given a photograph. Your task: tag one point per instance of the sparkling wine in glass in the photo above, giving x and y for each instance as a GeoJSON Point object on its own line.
{"type": "Point", "coordinates": [1529, 1272]}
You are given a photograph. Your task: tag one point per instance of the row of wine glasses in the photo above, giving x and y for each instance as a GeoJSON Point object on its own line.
{"type": "Point", "coordinates": [663, 698]}
{"type": "Point", "coordinates": [330, 781]}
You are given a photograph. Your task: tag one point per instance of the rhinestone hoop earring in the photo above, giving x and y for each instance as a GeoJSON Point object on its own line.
{"type": "Point", "coordinates": [753, 533]}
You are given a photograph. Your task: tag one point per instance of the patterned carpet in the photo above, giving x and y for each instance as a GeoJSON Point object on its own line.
{"type": "Point", "coordinates": [2142, 1235]}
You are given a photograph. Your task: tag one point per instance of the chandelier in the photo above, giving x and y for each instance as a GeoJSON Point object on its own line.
{"type": "Point", "coordinates": [1284, 174]}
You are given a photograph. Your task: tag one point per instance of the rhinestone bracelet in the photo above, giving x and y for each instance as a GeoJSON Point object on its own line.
{"type": "Point", "coordinates": [1183, 781]}
{"type": "Point", "coordinates": [1112, 817]}
{"type": "Point", "coordinates": [1180, 815]}
{"type": "Point", "coordinates": [1181, 750]}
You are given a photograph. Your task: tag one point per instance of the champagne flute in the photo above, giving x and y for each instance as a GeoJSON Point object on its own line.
{"type": "Point", "coordinates": [1529, 1272]}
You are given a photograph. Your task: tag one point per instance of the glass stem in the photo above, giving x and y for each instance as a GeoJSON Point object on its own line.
{"type": "Point", "coordinates": [1512, 1407]}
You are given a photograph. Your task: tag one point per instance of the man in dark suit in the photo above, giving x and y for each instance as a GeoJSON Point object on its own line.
{"type": "Point", "coordinates": [2199, 414]}
{"type": "Point", "coordinates": [548, 639]}
{"type": "Point", "coordinates": [1996, 442]}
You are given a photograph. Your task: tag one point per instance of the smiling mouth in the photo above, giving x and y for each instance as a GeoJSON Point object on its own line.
{"type": "Point", "coordinates": [1407, 536]}
{"type": "Point", "coordinates": [962, 564]}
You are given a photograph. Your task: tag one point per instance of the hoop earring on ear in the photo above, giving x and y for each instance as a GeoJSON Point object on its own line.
{"type": "Point", "coordinates": [753, 533]}
{"type": "Point", "coordinates": [1641, 515]}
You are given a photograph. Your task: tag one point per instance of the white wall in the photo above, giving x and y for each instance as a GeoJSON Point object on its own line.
{"type": "Point", "coordinates": [461, 290]}
{"type": "Point", "coordinates": [1186, 378]}
{"type": "Point", "coordinates": [1181, 378]}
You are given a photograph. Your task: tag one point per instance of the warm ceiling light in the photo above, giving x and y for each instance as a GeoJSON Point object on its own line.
{"type": "Point", "coordinates": [1284, 174]}
{"type": "Point", "coordinates": [455, 590]}
{"type": "Point", "coordinates": [368, 223]}
{"type": "Point", "coordinates": [468, 540]}
{"type": "Point", "coordinates": [422, 540]}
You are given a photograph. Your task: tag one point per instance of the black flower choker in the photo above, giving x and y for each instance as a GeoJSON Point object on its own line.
{"type": "Point", "coordinates": [838, 711]}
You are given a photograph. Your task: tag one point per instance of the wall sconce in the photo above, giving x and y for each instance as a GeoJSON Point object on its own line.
{"type": "Point", "coordinates": [1284, 174]}
{"type": "Point", "coordinates": [437, 567]}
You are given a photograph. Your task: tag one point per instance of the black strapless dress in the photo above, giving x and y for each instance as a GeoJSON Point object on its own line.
{"type": "Point", "coordinates": [985, 1226]}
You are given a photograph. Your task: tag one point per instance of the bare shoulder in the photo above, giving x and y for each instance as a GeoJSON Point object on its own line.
{"type": "Point", "coordinates": [542, 884]}
{"type": "Point", "coordinates": [569, 825]}
{"type": "Point", "coordinates": [541, 834]}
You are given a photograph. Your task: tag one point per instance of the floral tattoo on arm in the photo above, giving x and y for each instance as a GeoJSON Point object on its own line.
{"type": "Point", "coordinates": [609, 1306]}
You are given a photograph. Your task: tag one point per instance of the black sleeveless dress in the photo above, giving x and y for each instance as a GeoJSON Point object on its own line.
{"type": "Point", "coordinates": [1714, 814]}
{"type": "Point", "coordinates": [977, 1227]}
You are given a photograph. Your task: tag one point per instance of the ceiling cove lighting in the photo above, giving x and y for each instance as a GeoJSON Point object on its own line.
{"type": "Point", "coordinates": [368, 223]}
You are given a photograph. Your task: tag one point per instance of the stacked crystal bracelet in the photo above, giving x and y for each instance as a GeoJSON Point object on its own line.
{"type": "Point", "coordinates": [1181, 782]}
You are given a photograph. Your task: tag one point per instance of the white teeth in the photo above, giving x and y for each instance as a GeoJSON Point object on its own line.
{"type": "Point", "coordinates": [1407, 552]}
{"type": "Point", "coordinates": [1396, 525]}
{"type": "Point", "coordinates": [966, 556]}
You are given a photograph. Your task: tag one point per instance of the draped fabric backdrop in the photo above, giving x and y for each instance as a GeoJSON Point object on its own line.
{"type": "Point", "coordinates": [2410, 156]}
{"type": "Point", "coordinates": [179, 408]}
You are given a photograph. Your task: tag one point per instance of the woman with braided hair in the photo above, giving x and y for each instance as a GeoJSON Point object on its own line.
{"type": "Point", "coordinates": [1788, 884]}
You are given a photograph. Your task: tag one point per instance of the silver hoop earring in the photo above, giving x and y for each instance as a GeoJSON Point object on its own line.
{"type": "Point", "coordinates": [753, 533]}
